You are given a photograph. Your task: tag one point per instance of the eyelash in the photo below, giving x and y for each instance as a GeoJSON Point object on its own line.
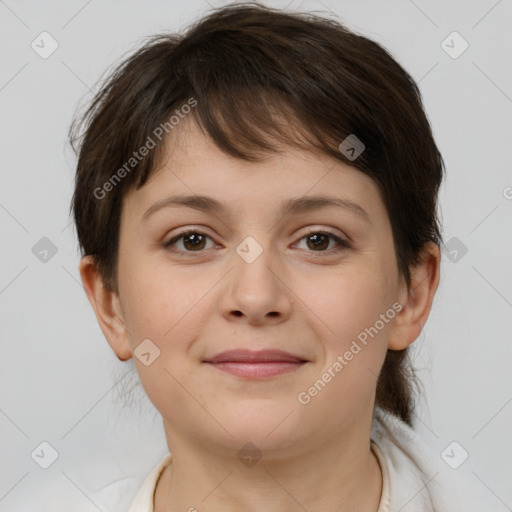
{"type": "Point", "coordinates": [343, 245]}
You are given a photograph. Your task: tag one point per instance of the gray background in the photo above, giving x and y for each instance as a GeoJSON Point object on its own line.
{"type": "Point", "coordinates": [60, 381]}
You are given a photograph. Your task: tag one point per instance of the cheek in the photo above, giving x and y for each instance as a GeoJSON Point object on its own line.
{"type": "Point", "coordinates": [348, 302]}
{"type": "Point", "coordinates": [163, 310]}
{"type": "Point", "coordinates": [352, 315]}
{"type": "Point", "coordinates": [154, 298]}
{"type": "Point", "coordinates": [171, 311]}
{"type": "Point", "coordinates": [348, 321]}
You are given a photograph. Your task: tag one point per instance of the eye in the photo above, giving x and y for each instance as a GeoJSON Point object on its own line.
{"type": "Point", "coordinates": [193, 241]}
{"type": "Point", "coordinates": [319, 241]}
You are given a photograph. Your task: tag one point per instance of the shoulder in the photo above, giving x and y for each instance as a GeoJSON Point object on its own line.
{"type": "Point", "coordinates": [144, 501]}
{"type": "Point", "coordinates": [89, 488]}
{"type": "Point", "coordinates": [60, 493]}
{"type": "Point", "coordinates": [420, 479]}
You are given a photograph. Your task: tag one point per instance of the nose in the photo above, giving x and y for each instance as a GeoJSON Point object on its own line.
{"type": "Point", "coordinates": [256, 291]}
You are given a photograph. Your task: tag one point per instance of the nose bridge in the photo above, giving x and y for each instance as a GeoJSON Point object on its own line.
{"type": "Point", "coordinates": [255, 287]}
{"type": "Point", "coordinates": [253, 262]}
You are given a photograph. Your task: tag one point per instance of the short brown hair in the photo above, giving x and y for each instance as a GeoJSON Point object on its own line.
{"type": "Point", "coordinates": [240, 64]}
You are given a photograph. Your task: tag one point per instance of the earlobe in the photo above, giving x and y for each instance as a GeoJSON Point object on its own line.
{"type": "Point", "coordinates": [416, 300]}
{"type": "Point", "coordinates": [107, 308]}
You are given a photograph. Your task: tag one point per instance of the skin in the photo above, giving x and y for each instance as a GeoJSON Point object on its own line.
{"type": "Point", "coordinates": [296, 297]}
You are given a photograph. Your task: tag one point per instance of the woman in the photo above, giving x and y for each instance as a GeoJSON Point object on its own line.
{"type": "Point", "coordinates": [255, 202]}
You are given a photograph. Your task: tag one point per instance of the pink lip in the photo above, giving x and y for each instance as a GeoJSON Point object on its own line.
{"type": "Point", "coordinates": [256, 364]}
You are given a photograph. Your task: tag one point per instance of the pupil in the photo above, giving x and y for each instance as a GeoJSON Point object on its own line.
{"type": "Point", "coordinates": [316, 239]}
{"type": "Point", "coordinates": [193, 236]}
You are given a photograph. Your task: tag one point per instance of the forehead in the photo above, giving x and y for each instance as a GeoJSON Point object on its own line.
{"type": "Point", "coordinates": [194, 166]}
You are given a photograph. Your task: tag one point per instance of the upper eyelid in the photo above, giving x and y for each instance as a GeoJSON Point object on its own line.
{"type": "Point", "coordinates": [202, 231]}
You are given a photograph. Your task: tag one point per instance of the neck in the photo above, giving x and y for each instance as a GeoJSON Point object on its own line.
{"type": "Point", "coordinates": [337, 475]}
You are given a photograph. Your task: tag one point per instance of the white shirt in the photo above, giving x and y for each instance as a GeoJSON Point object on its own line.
{"type": "Point", "coordinates": [414, 478]}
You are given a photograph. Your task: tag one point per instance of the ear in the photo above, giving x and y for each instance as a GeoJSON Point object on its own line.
{"type": "Point", "coordinates": [107, 308]}
{"type": "Point", "coordinates": [416, 300]}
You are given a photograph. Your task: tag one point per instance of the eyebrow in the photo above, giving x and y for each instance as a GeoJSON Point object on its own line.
{"type": "Point", "coordinates": [297, 205]}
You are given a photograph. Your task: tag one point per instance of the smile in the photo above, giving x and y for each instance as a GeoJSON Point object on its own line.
{"type": "Point", "coordinates": [257, 370]}
{"type": "Point", "coordinates": [256, 364]}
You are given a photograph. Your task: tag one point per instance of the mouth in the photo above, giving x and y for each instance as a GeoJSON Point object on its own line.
{"type": "Point", "coordinates": [256, 364]}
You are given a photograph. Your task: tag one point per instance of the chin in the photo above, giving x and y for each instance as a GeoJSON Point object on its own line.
{"type": "Point", "coordinates": [267, 430]}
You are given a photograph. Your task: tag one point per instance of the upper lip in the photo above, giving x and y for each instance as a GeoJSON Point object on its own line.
{"type": "Point", "coordinates": [252, 356]}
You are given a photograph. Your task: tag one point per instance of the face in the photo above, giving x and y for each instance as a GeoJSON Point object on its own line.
{"type": "Point", "coordinates": [318, 282]}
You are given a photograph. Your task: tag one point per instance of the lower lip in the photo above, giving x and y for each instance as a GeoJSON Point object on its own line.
{"type": "Point", "coordinates": [257, 370]}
